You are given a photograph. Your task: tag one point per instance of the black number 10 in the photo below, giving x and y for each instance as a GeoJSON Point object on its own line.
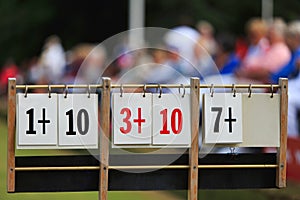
{"type": "Point", "coordinates": [82, 115]}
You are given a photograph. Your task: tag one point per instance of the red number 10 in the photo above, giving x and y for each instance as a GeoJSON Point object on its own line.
{"type": "Point", "coordinates": [176, 114]}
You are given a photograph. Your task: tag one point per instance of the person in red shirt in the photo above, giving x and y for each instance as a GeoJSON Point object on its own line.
{"type": "Point", "coordinates": [9, 70]}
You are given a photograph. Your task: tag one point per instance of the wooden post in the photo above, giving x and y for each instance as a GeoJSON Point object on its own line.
{"type": "Point", "coordinates": [104, 138]}
{"type": "Point", "coordinates": [194, 150]}
{"type": "Point", "coordinates": [11, 124]}
{"type": "Point", "coordinates": [281, 152]}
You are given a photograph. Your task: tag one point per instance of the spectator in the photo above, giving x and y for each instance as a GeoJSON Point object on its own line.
{"type": "Point", "coordinates": [205, 48]}
{"type": "Point", "coordinates": [53, 58]}
{"type": "Point", "coordinates": [36, 71]}
{"type": "Point", "coordinates": [93, 65]}
{"type": "Point", "coordinates": [9, 70]}
{"type": "Point", "coordinates": [241, 47]}
{"type": "Point", "coordinates": [256, 30]}
{"type": "Point", "coordinates": [261, 66]}
{"type": "Point", "coordinates": [183, 39]}
{"type": "Point", "coordinates": [206, 39]}
{"type": "Point", "coordinates": [226, 59]}
{"type": "Point", "coordinates": [159, 55]}
{"type": "Point", "coordinates": [75, 59]}
{"type": "Point", "coordinates": [293, 40]}
{"type": "Point", "coordinates": [170, 68]}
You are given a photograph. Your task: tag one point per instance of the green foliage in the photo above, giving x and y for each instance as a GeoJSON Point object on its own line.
{"type": "Point", "coordinates": [24, 25]}
{"type": "Point", "coordinates": [228, 16]}
{"type": "Point", "coordinates": [21, 27]}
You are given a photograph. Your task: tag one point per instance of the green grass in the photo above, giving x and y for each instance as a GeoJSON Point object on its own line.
{"type": "Point", "coordinates": [30, 196]}
{"type": "Point", "coordinates": [60, 195]}
{"type": "Point", "coordinates": [292, 192]}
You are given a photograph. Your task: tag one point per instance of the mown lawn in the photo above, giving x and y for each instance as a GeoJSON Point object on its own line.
{"type": "Point", "coordinates": [59, 196]}
{"type": "Point", "coordinates": [168, 195]}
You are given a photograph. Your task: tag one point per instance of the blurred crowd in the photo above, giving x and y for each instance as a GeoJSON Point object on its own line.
{"type": "Point", "coordinates": [267, 51]}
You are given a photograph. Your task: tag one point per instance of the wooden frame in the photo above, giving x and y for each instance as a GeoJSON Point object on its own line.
{"type": "Point", "coordinates": [194, 150]}
{"type": "Point", "coordinates": [104, 137]}
{"type": "Point", "coordinates": [281, 152]}
{"type": "Point", "coordinates": [11, 123]}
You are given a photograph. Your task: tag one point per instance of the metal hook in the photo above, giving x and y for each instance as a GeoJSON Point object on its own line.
{"type": "Point", "coordinates": [160, 90]}
{"type": "Point", "coordinates": [121, 90]}
{"type": "Point", "coordinates": [144, 89]}
{"type": "Point", "coordinates": [49, 89]}
{"type": "Point", "coordinates": [66, 91]}
{"type": "Point", "coordinates": [250, 90]}
{"type": "Point", "coordinates": [234, 90]}
{"type": "Point", "coordinates": [232, 149]}
{"type": "Point", "coordinates": [89, 91]}
{"type": "Point", "coordinates": [183, 90]}
{"type": "Point", "coordinates": [272, 90]}
{"type": "Point", "coordinates": [212, 87]}
{"type": "Point", "coordinates": [26, 91]}
{"type": "Point", "coordinates": [233, 153]}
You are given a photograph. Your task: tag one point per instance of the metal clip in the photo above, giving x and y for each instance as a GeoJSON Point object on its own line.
{"type": "Point", "coordinates": [89, 91]}
{"type": "Point", "coordinates": [160, 90]}
{"type": "Point", "coordinates": [232, 149]}
{"type": "Point", "coordinates": [144, 89]}
{"type": "Point", "coordinates": [66, 91]}
{"type": "Point", "coordinates": [121, 90]}
{"type": "Point", "coordinates": [250, 90]}
{"type": "Point", "coordinates": [272, 91]}
{"type": "Point", "coordinates": [26, 91]}
{"type": "Point", "coordinates": [183, 90]}
{"type": "Point", "coordinates": [232, 153]}
{"type": "Point", "coordinates": [49, 90]}
{"type": "Point", "coordinates": [212, 88]}
{"type": "Point", "coordinates": [234, 90]}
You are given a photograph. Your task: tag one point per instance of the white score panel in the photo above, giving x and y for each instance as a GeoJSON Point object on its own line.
{"type": "Point", "coordinates": [78, 121]}
{"type": "Point", "coordinates": [132, 116]}
{"type": "Point", "coordinates": [222, 118]}
{"type": "Point", "coordinates": [171, 120]}
{"type": "Point", "coordinates": [36, 120]}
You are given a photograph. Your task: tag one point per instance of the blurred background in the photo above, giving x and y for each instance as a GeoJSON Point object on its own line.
{"type": "Point", "coordinates": [25, 25]}
{"type": "Point", "coordinates": [249, 41]}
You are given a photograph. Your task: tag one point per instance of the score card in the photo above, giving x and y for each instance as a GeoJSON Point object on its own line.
{"type": "Point", "coordinates": [222, 118]}
{"type": "Point", "coordinates": [132, 118]}
{"type": "Point", "coordinates": [78, 121]}
{"type": "Point", "coordinates": [171, 119]}
{"type": "Point", "coordinates": [36, 120]}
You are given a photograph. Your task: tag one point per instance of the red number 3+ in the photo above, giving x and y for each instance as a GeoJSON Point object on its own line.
{"type": "Point", "coordinates": [126, 121]}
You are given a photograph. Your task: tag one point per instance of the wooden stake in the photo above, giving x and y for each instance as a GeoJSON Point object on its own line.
{"type": "Point", "coordinates": [11, 124]}
{"type": "Point", "coordinates": [104, 138]}
{"type": "Point", "coordinates": [194, 150]}
{"type": "Point", "coordinates": [281, 152]}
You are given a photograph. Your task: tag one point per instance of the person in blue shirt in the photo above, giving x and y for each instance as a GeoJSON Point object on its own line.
{"type": "Point", "coordinates": [291, 71]}
{"type": "Point", "coordinates": [226, 59]}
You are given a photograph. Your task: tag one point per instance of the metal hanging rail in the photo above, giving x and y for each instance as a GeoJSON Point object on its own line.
{"type": "Point", "coordinates": [94, 86]}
